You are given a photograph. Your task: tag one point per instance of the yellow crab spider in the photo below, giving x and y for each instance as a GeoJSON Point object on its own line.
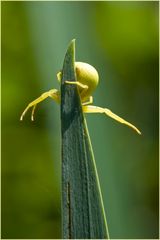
{"type": "Point", "coordinates": [87, 81]}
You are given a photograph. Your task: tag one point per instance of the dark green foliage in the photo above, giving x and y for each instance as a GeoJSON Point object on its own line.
{"type": "Point", "coordinates": [82, 206]}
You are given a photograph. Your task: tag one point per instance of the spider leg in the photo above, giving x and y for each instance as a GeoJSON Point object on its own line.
{"type": "Point", "coordinates": [83, 88]}
{"type": "Point", "coordinates": [95, 109]}
{"type": "Point", "coordinates": [53, 93]}
{"type": "Point", "coordinates": [90, 101]}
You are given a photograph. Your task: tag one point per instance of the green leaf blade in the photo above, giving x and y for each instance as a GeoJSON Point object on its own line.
{"type": "Point", "coordinates": [82, 207]}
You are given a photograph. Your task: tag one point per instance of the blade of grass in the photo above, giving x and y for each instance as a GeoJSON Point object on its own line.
{"type": "Point", "coordinates": [83, 213]}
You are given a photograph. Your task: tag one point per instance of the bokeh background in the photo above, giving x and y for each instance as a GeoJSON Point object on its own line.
{"type": "Point", "coordinates": [121, 40]}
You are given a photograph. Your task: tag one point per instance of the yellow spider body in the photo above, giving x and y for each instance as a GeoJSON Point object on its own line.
{"type": "Point", "coordinates": [89, 77]}
{"type": "Point", "coordinates": [87, 81]}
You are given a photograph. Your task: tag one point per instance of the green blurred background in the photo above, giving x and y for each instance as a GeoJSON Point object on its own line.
{"type": "Point", "coordinates": [121, 40]}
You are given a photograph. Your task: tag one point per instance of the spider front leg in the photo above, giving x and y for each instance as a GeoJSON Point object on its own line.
{"type": "Point", "coordinates": [90, 101]}
{"type": "Point", "coordinates": [83, 88]}
{"type": "Point", "coordinates": [95, 109]}
{"type": "Point", "coordinates": [53, 93]}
